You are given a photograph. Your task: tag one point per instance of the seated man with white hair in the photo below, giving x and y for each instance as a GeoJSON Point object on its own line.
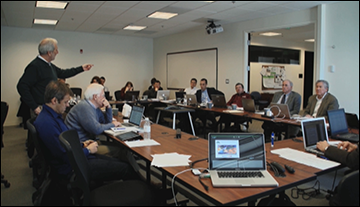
{"type": "Point", "coordinates": [89, 121]}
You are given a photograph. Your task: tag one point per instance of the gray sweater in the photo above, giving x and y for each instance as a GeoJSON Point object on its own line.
{"type": "Point", "coordinates": [88, 121]}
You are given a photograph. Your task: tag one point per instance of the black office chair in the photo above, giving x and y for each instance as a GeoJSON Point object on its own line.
{"type": "Point", "coordinates": [131, 192]}
{"type": "Point", "coordinates": [257, 98]}
{"type": "Point", "coordinates": [76, 91]}
{"type": "Point", "coordinates": [4, 112]}
{"type": "Point", "coordinates": [347, 191]}
{"type": "Point", "coordinates": [118, 95]}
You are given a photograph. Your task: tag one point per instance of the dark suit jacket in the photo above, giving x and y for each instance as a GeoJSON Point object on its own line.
{"type": "Point", "coordinates": [293, 101]}
{"type": "Point", "coordinates": [350, 159]}
{"type": "Point", "coordinates": [210, 91]}
{"type": "Point", "coordinates": [328, 103]}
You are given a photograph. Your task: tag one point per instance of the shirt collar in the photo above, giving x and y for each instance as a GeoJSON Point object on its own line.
{"type": "Point", "coordinates": [51, 111]}
{"type": "Point", "coordinates": [91, 104]}
{"type": "Point", "coordinates": [39, 56]}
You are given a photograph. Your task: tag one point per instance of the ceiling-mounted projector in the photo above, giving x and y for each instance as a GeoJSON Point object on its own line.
{"type": "Point", "coordinates": [213, 29]}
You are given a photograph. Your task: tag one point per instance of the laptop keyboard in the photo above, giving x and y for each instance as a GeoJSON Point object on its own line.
{"type": "Point", "coordinates": [127, 135]}
{"type": "Point", "coordinates": [348, 135]}
{"type": "Point", "coordinates": [128, 124]}
{"type": "Point", "coordinates": [240, 174]}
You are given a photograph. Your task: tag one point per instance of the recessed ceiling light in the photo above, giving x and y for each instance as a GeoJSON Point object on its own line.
{"type": "Point", "coordinates": [162, 15]}
{"type": "Point", "coordinates": [310, 40]}
{"type": "Point", "coordinates": [45, 21]}
{"type": "Point", "coordinates": [133, 27]}
{"type": "Point", "coordinates": [270, 34]}
{"type": "Point", "coordinates": [51, 4]}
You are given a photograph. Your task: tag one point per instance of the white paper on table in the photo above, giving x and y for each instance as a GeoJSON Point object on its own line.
{"type": "Point", "coordinates": [170, 160]}
{"type": "Point", "coordinates": [305, 158]}
{"type": "Point", "coordinates": [141, 143]}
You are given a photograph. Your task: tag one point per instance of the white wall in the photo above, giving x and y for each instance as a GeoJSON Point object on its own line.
{"type": "Point", "coordinates": [342, 31]}
{"type": "Point", "coordinates": [118, 58]}
{"type": "Point", "coordinates": [230, 43]}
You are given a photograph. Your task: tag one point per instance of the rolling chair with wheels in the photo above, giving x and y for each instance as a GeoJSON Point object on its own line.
{"type": "Point", "coordinates": [4, 112]}
{"type": "Point", "coordinates": [130, 192]}
{"type": "Point", "coordinates": [257, 99]}
{"type": "Point", "coordinates": [347, 191]}
{"type": "Point", "coordinates": [76, 91]}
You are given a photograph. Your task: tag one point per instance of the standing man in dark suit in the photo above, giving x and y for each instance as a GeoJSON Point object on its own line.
{"type": "Point", "coordinates": [321, 102]}
{"type": "Point", "coordinates": [293, 100]}
{"type": "Point", "coordinates": [204, 96]}
{"type": "Point", "coordinates": [40, 72]}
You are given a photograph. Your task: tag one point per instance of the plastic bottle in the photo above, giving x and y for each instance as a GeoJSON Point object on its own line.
{"type": "Point", "coordinates": [147, 129]}
{"type": "Point", "coordinates": [272, 139]}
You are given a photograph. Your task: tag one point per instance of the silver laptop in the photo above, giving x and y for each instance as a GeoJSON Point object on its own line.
{"type": "Point", "coordinates": [163, 94]}
{"type": "Point", "coordinates": [135, 116]}
{"type": "Point", "coordinates": [191, 99]}
{"type": "Point", "coordinates": [280, 110]}
{"type": "Point", "coordinates": [249, 105]}
{"type": "Point", "coordinates": [314, 130]}
{"type": "Point", "coordinates": [238, 154]}
{"type": "Point", "coordinates": [339, 127]}
{"type": "Point", "coordinates": [218, 100]}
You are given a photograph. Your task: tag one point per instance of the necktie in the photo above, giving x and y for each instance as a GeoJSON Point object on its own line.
{"type": "Point", "coordinates": [283, 99]}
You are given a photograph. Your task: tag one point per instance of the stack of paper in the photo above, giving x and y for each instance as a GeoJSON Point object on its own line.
{"type": "Point", "coordinates": [170, 160]}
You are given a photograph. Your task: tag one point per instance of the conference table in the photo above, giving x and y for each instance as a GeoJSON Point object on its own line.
{"type": "Point", "coordinates": [198, 149]}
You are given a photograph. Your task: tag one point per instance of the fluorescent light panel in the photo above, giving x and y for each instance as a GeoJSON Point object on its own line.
{"type": "Point", "coordinates": [162, 15]}
{"type": "Point", "coordinates": [310, 40]}
{"type": "Point", "coordinates": [45, 21]}
{"type": "Point", "coordinates": [51, 4]}
{"type": "Point", "coordinates": [270, 34]}
{"type": "Point", "coordinates": [133, 27]}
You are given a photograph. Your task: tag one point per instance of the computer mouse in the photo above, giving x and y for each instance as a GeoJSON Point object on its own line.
{"type": "Point", "coordinates": [289, 169]}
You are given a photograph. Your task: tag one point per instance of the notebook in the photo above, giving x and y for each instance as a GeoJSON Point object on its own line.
{"type": "Point", "coordinates": [339, 127]}
{"type": "Point", "coordinates": [162, 93]}
{"type": "Point", "coordinates": [130, 94]}
{"type": "Point", "coordinates": [218, 100]}
{"type": "Point", "coordinates": [314, 130]}
{"type": "Point", "coordinates": [191, 99]}
{"type": "Point", "coordinates": [249, 105]}
{"type": "Point", "coordinates": [238, 152]}
{"type": "Point", "coordinates": [280, 110]}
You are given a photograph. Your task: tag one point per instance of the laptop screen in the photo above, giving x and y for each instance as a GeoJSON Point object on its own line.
{"type": "Point", "coordinates": [236, 151]}
{"type": "Point", "coordinates": [314, 130]}
{"type": "Point", "coordinates": [130, 94]}
{"type": "Point", "coordinates": [337, 121]}
{"type": "Point", "coordinates": [136, 115]}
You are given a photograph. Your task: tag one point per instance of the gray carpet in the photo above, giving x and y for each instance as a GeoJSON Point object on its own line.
{"type": "Point", "coordinates": [15, 168]}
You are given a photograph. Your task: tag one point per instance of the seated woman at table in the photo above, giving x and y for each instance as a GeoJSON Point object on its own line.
{"type": "Point", "coordinates": [128, 87]}
{"type": "Point", "coordinates": [96, 79]}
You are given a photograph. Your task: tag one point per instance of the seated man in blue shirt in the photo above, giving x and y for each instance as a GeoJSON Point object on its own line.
{"type": "Point", "coordinates": [89, 121]}
{"type": "Point", "coordinates": [50, 124]}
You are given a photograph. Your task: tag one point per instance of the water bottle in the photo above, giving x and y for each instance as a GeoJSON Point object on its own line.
{"type": "Point", "coordinates": [272, 139]}
{"type": "Point", "coordinates": [147, 129]}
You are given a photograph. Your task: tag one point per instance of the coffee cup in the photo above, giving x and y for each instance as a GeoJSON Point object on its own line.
{"type": "Point", "coordinates": [234, 106]}
{"type": "Point", "coordinates": [145, 97]}
{"type": "Point", "coordinates": [209, 105]}
{"type": "Point", "coordinates": [178, 100]}
{"type": "Point", "coordinates": [115, 111]}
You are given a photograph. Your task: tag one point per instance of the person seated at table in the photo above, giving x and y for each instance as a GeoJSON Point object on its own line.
{"type": "Point", "coordinates": [153, 80]}
{"type": "Point", "coordinates": [321, 102]}
{"type": "Point", "coordinates": [346, 153]}
{"type": "Point", "coordinates": [235, 99]}
{"type": "Point", "coordinates": [90, 122]}
{"type": "Point", "coordinates": [102, 82]}
{"type": "Point", "coordinates": [96, 79]}
{"type": "Point", "coordinates": [128, 87]}
{"type": "Point", "coordinates": [50, 124]}
{"type": "Point", "coordinates": [152, 93]}
{"type": "Point", "coordinates": [293, 100]}
{"type": "Point", "coordinates": [203, 95]}
{"type": "Point", "coordinates": [192, 89]}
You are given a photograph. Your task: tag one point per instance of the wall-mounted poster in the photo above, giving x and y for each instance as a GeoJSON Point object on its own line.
{"type": "Point", "coordinates": [272, 76]}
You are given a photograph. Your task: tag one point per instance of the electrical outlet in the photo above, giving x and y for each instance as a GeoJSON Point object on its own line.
{"type": "Point", "coordinates": [227, 81]}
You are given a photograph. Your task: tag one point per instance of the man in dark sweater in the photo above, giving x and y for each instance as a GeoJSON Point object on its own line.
{"type": "Point", "coordinates": [40, 72]}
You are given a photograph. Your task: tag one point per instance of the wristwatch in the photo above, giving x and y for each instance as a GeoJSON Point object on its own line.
{"type": "Point", "coordinates": [326, 148]}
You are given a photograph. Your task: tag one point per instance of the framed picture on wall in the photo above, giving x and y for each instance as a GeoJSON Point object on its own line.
{"type": "Point", "coordinates": [272, 76]}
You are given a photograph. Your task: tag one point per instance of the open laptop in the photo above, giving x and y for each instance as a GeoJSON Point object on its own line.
{"type": "Point", "coordinates": [180, 94]}
{"type": "Point", "coordinates": [134, 121]}
{"type": "Point", "coordinates": [129, 95]}
{"type": "Point", "coordinates": [314, 130]}
{"type": "Point", "coordinates": [249, 105]}
{"type": "Point", "coordinates": [339, 127]}
{"type": "Point", "coordinates": [231, 153]}
{"type": "Point", "coordinates": [218, 100]}
{"type": "Point", "coordinates": [191, 99]}
{"type": "Point", "coordinates": [163, 93]}
{"type": "Point", "coordinates": [284, 110]}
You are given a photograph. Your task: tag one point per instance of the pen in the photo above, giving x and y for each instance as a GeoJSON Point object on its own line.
{"type": "Point", "coordinates": [323, 157]}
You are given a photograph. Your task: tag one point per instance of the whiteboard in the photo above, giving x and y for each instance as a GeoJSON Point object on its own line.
{"type": "Point", "coordinates": [182, 66]}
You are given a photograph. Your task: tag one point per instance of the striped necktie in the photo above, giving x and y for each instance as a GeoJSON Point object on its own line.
{"type": "Point", "coordinates": [283, 99]}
